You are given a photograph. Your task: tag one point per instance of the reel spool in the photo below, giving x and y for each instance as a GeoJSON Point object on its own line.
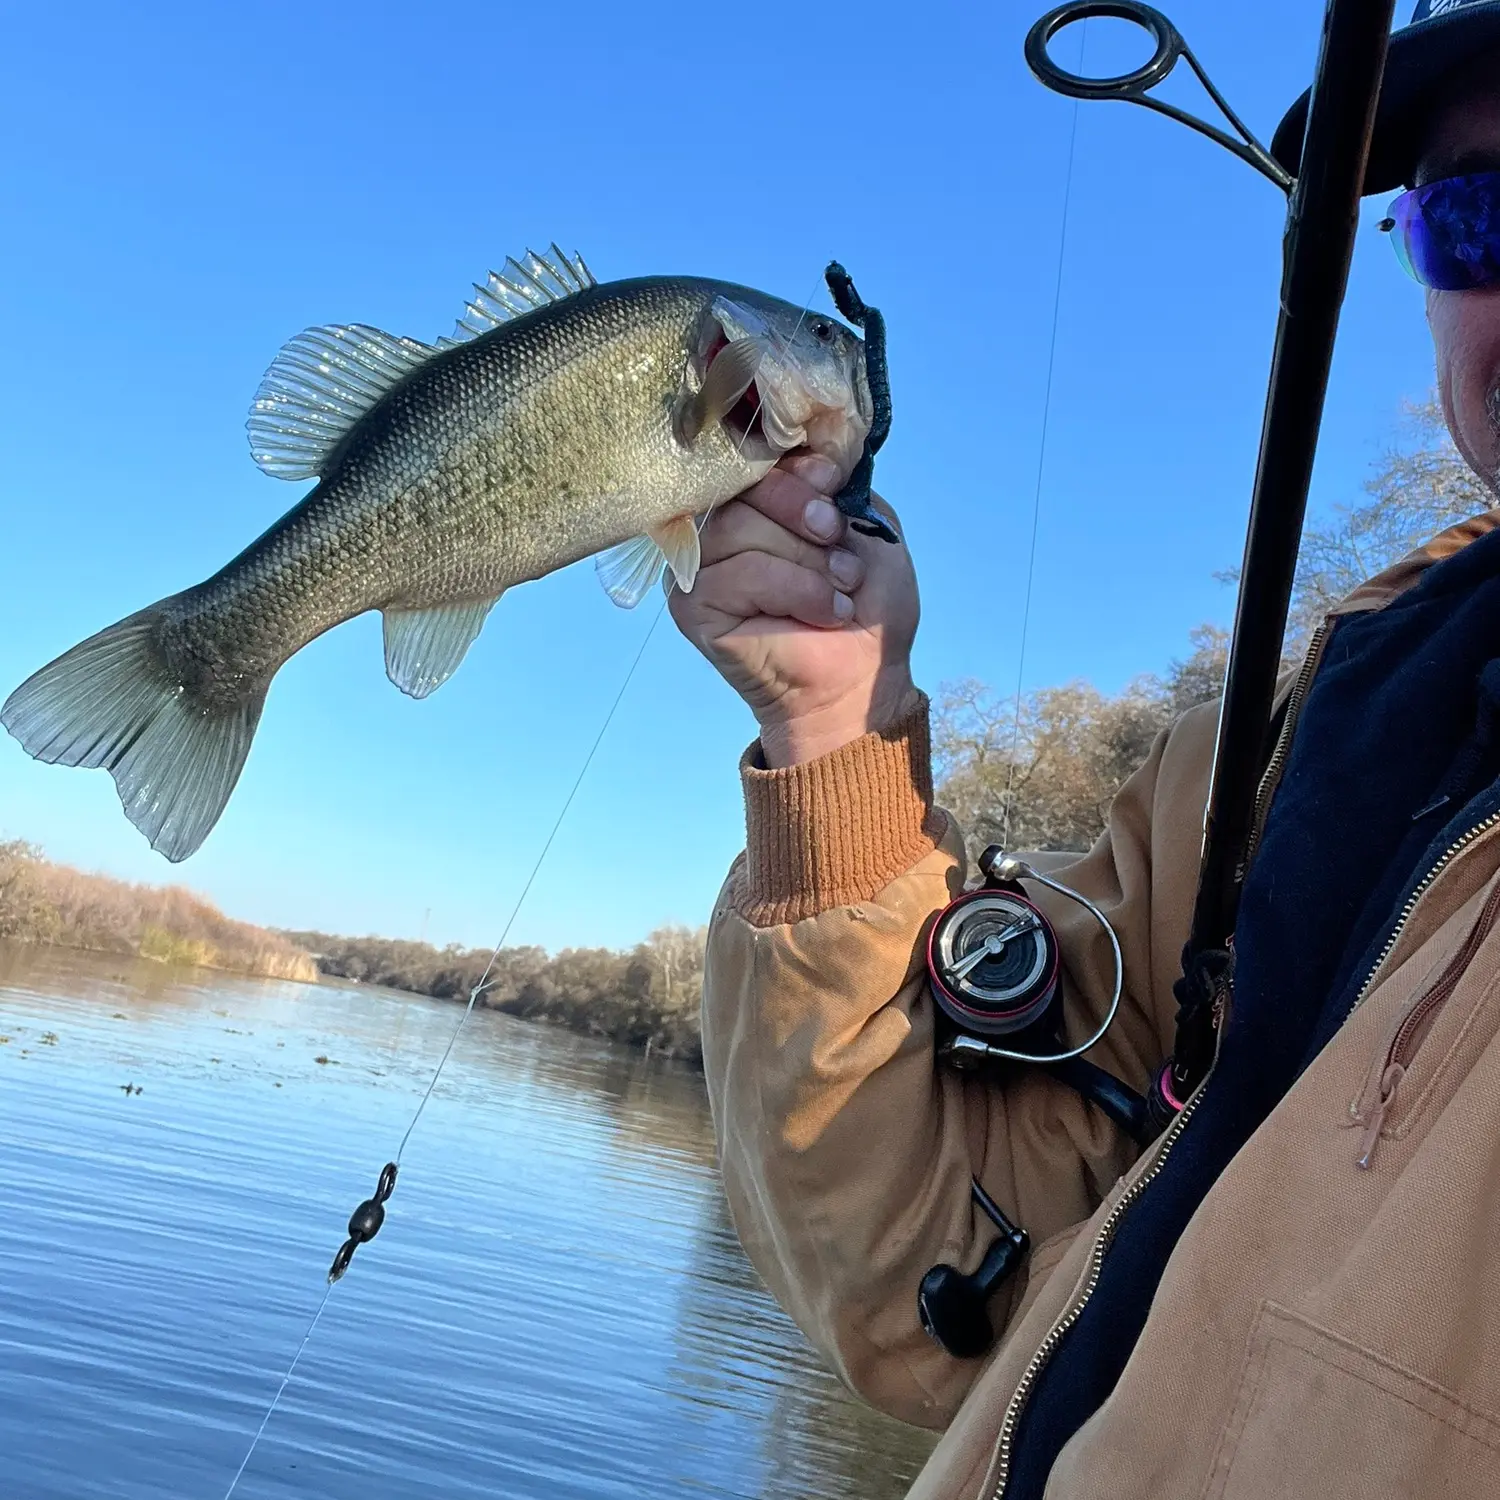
{"type": "Point", "coordinates": [993, 961]}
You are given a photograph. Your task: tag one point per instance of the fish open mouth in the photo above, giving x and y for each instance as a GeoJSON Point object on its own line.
{"type": "Point", "coordinates": [744, 422]}
{"type": "Point", "coordinates": [797, 400]}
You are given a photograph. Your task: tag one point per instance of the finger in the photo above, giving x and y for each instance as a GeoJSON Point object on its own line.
{"type": "Point", "coordinates": [737, 527]}
{"type": "Point", "coordinates": [792, 502]}
{"type": "Point", "coordinates": [759, 583]}
{"type": "Point", "coordinates": [814, 469]}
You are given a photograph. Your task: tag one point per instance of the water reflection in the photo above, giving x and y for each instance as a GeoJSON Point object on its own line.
{"type": "Point", "coordinates": [557, 1307]}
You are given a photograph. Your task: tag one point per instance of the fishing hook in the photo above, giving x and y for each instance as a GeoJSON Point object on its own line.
{"type": "Point", "coordinates": [1135, 86]}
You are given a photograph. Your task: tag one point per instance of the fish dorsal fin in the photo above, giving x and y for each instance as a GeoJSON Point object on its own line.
{"type": "Point", "coordinates": [520, 287]}
{"type": "Point", "coordinates": [423, 647]}
{"type": "Point", "coordinates": [320, 385]}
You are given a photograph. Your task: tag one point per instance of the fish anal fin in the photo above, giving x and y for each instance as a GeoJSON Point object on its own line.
{"type": "Point", "coordinates": [728, 378]}
{"type": "Point", "coordinates": [423, 647]}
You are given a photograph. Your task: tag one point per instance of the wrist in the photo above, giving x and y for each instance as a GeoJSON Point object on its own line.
{"type": "Point", "coordinates": [868, 709]}
{"type": "Point", "coordinates": [837, 830]}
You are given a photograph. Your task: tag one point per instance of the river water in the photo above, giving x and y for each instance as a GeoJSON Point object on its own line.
{"type": "Point", "coordinates": [556, 1307]}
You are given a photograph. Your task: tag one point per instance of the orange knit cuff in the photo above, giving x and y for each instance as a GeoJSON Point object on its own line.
{"type": "Point", "coordinates": [837, 830]}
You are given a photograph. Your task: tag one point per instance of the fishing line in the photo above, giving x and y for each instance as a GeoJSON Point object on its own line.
{"type": "Point", "coordinates": [275, 1400]}
{"type": "Point", "coordinates": [483, 981]}
{"type": "Point", "coordinates": [1041, 458]}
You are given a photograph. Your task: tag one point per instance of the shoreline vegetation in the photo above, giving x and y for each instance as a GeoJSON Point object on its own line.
{"type": "Point", "coordinates": [47, 903]}
{"type": "Point", "coordinates": [645, 997]}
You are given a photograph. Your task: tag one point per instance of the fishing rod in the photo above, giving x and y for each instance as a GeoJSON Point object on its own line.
{"type": "Point", "coordinates": [1317, 247]}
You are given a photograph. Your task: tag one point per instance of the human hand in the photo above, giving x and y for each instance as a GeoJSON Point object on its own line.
{"type": "Point", "coordinates": [810, 623]}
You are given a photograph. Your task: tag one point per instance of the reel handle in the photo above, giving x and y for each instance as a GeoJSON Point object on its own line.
{"type": "Point", "coordinates": [952, 1306]}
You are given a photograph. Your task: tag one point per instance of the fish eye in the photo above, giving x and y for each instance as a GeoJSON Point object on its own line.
{"type": "Point", "coordinates": [822, 330]}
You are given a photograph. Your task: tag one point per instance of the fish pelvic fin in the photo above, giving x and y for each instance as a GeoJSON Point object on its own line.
{"type": "Point", "coordinates": [423, 647]}
{"type": "Point", "coordinates": [730, 375]}
{"type": "Point", "coordinates": [115, 702]}
{"type": "Point", "coordinates": [678, 540]}
{"type": "Point", "coordinates": [630, 571]}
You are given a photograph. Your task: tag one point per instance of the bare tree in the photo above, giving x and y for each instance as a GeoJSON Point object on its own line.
{"type": "Point", "coordinates": [1045, 779]}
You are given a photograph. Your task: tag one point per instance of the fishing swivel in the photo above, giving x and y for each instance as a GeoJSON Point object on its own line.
{"type": "Point", "coordinates": [364, 1222]}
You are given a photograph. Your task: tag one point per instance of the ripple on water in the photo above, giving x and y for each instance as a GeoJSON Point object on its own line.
{"type": "Point", "coordinates": [557, 1306]}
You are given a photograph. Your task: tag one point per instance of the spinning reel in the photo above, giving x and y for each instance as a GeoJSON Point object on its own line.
{"type": "Point", "coordinates": [994, 967]}
{"type": "Point", "coordinates": [993, 960]}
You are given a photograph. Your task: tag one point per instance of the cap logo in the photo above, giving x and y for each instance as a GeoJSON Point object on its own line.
{"type": "Point", "coordinates": [1428, 9]}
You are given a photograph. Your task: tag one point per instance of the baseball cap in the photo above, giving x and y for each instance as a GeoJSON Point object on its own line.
{"type": "Point", "coordinates": [1443, 35]}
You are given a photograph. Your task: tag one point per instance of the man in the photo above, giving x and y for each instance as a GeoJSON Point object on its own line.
{"type": "Point", "coordinates": [1296, 1292]}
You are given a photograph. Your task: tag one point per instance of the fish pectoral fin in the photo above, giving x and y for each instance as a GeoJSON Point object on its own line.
{"type": "Point", "coordinates": [629, 572]}
{"type": "Point", "coordinates": [678, 540]}
{"type": "Point", "coordinates": [728, 378]}
{"type": "Point", "coordinates": [423, 647]}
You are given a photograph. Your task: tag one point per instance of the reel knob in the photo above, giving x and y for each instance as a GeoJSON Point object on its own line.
{"type": "Point", "coordinates": [993, 960]}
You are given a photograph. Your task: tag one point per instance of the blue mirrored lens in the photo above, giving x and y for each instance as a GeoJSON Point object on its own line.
{"type": "Point", "coordinates": [1447, 233]}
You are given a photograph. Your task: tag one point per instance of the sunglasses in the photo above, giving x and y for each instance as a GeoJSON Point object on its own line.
{"type": "Point", "coordinates": [1447, 233]}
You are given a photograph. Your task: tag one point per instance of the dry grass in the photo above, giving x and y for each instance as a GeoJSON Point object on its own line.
{"type": "Point", "coordinates": [42, 902]}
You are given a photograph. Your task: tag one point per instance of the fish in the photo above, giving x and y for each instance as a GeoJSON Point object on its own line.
{"type": "Point", "coordinates": [563, 418]}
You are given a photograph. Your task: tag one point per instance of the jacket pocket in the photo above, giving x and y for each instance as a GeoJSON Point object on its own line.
{"type": "Point", "coordinates": [1430, 1041]}
{"type": "Point", "coordinates": [1320, 1417]}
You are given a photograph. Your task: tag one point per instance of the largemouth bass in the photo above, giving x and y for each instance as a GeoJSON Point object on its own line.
{"type": "Point", "coordinates": [563, 418]}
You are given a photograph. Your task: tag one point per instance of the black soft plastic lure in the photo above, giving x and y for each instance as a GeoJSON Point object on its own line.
{"type": "Point", "coordinates": [854, 499]}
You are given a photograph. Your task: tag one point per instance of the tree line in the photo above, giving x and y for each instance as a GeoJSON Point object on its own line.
{"type": "Point", "coordinates": [646, 996]}
{"type": "Point", "coordinates": [1045, 775]}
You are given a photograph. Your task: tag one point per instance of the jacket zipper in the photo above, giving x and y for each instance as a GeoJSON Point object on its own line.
{"type": "Point", "coordinates": [1277, 762]}
{"type": "Point", "coordinates": [1412, 1031]}
{"type": "Point", "coordinates": [1453, 849]}
{"type": "Point", "coordinates": [1096, 1262]}
{"type": "Point", "coordinates": [1106, 1233]}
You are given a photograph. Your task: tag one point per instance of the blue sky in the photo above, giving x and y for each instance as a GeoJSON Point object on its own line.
{"type": "Point", "coordinates": [188, 186]}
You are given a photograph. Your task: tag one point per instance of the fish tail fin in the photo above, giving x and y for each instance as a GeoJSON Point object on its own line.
{"type": "Point", "coordinates": [115, 701]}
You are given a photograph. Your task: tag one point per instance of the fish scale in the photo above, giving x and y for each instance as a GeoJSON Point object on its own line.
{"type": "Point", "coordinates": [565, 418]}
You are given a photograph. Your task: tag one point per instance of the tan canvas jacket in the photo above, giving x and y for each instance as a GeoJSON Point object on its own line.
{"type": "Point", "coordinates": [1322, 1329]}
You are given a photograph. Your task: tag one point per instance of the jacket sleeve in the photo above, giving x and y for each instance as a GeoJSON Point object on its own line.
{"type": "Point", "coordinates": [846, 1151]}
